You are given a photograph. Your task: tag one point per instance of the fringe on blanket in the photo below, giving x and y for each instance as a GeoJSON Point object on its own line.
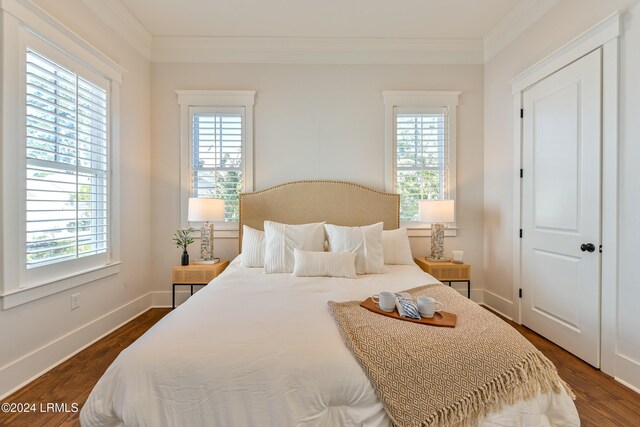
{"type": "Point", "coordinates": [534, 374]}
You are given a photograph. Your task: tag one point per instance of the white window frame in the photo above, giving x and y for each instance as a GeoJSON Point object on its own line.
{"type": "Point", "coordinates": [419, 101]}
{"type": "Point", "coordinates": [191, 101]}
{"type": "Point", "coordinates": [26, 25]}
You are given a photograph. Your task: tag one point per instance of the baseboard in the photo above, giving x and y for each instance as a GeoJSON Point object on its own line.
{"type": "Point", "coordinates": [626, 384]}
{"type": "Point", "coordinates": [477, 295]}
{"type": "Point", "coordinates": [498, 304]}
{"type": "Point", "coordinates": [461, 288]}
{"type": "Point", "coordinates": [163, 299]}
{"type": "Point", "coordinates": [627, 372]}
{"type": "Point", "coordinates": [493, 310]}
{"type": "Point", "coordinates": [21, 372]}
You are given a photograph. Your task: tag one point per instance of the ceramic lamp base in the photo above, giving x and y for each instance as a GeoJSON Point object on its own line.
{"type": "Point", "coordinates": [437, 241]}
{"type": "Point", "coordinates": [206, 241]}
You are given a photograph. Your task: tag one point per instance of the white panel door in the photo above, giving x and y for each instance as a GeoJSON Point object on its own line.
{"type": "Point", "coordinates": [561, 207]}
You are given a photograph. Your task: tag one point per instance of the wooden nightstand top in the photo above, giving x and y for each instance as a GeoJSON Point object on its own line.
{"type": "Point", "coordinates": [198, 273]}
{"type": "Point", "coordinates": [445, 271]}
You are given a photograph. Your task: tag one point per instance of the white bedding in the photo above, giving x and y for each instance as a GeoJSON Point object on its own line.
{"type": "Point", "coordinates": [255, 349]}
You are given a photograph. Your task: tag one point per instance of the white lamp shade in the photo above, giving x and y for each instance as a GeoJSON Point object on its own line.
{"type": "Point", "coordinates": [206, 209]}
{"type": "Point", "coordinates": [436, 211]}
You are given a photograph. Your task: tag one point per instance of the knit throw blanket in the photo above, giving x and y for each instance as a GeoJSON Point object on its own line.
{"type": "Point", "coordinates": [434, 376]}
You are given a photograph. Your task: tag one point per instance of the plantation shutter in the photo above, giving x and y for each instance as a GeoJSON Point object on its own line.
{"type": "Point", "coordinates": [67, 163]}
{"type": "Point", "coordinates": [422, 157]}
{"type": "Point", "coordinates": [217, 157]}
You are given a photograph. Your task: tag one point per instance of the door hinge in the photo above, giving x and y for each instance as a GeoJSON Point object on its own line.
{"type": "Point", "coordinates": [521, 233]}
{"type": "Point", "coordinates": [520, 293]}
{"type": "Point", "coordinates": [521, 173]}
{"type": "Point", "coordinates": [521, 113]}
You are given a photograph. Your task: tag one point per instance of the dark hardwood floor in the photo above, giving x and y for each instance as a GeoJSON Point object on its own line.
{"type": "Point", "coordinates": [601, 401]}
{"type": "Point", "coordinates": [72, 381]}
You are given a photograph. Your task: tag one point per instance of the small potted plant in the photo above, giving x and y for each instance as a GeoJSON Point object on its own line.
{"type": "Point", "coordinates": [182, 238]}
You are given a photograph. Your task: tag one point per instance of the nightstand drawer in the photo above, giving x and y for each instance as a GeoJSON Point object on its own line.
{"type": "Point", "coordinates": [193, 275]}
{"type": "Point", "coordinates": [198, 273]}
{"type": "Point", "coordinates": [448, 272]}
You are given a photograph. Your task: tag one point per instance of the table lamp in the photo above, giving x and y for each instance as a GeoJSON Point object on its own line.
{"type": "Point", "coordinates": [205, 210]}
{"type": "Point", "coordinates": [437, 212]}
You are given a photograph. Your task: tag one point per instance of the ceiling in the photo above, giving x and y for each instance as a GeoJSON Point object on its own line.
{"type": "Point", "coordinates": [424, 19]}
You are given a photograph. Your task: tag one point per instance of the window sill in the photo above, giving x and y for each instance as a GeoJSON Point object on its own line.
{"type": "Point", "coordinates": [55, 285]}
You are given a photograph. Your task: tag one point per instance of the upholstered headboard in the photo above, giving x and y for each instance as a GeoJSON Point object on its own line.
{"type": "Point", "coordinates": [336, 202]}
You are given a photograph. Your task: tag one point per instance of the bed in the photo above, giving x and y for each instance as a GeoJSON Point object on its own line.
{"type": "Point", "coordinates": [255, 349]}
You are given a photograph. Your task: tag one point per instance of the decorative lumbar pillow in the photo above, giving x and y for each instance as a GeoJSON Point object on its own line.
{"type": "Point", "coordinates": [253, 247]}
{"type": "Point", "coordinates": [332, 264]}
{"type": "Point", "coordinates": [365, 241]}
{"type": "Point", "coordinates": [282, 239]}
{"type": "Point", "coordinates": [397, 249]}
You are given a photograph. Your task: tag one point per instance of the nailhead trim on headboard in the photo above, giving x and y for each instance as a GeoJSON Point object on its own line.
{"type": "Point", "coordinates": [244, 195]}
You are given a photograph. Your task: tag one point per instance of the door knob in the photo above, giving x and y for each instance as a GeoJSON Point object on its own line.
{"type": "Point", "coordinates": [588, 247]}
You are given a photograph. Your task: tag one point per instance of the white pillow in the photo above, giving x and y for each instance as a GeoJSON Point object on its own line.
{"type": "Point", "coordinates": [365, 241]}
{"type": "Point", "coordinates": [397, 249]}
{"type": "Point", "coordinates": [253, 246]}
{"type": "Point", "coordinates": [332, 264]}
{"type": "Point", "coordinates": [282, 239]}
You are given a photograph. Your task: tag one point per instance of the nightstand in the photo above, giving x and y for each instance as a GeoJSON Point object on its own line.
{"type": "Point", "coordinates": [447, 271]}
{"type": "Point", "coordinates": [196, 275]}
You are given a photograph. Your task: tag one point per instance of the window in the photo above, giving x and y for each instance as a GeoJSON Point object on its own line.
{"type": "Point", "coordinates": [216, 147]}
{"type": "Point", "coordinates": [67, 152]}
{"type": "Point", "coordinates": [420, 147]}
{"type": "Point", "coordinates": [60, 158]}
{"type": "Point", "coordinates": [422, 158]}
{"type": "Point", "coordinates": [216, 167]}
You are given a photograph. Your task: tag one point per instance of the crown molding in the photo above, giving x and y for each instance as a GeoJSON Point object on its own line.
{"type": "Point", "coordinates": [316, 50]}
{"type": "Point", "coordinates": [596, 36]}
{"type": "Point", "coordinates": [124, 23]}
{"type": "Point", "coordinates": [46, 27]}
{"type": "Point", "coordinates": [516, 22]}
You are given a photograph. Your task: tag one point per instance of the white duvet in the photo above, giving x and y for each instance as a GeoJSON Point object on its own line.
{"type": "Point", "coordinates": [255, 349]}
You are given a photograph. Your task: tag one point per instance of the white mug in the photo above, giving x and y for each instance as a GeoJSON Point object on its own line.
{"type": "Point", "coordinates": [428, 306]}
{"type": "Point", "coordinates": [386, 300]}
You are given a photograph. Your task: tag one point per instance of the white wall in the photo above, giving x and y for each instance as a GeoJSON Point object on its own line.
{"type": "Point", "coordinates": [561, 24]}
{"type": "Point", "coordinates": [313, 122]}
{"type": "Point", "coordinates": [628, 318]}
{"type": "Point", "coordinates": [38, 334]}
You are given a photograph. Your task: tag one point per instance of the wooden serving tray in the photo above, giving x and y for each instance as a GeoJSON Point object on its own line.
{"type": "Point", "coordinates": [440, 318]}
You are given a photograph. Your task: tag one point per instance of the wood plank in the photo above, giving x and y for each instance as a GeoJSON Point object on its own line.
{"type": "Point", "coordinates": [601, 401]}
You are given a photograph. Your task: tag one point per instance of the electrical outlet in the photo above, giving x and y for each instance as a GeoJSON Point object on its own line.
{"type": "Point", "coordinates": [75, 302]}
